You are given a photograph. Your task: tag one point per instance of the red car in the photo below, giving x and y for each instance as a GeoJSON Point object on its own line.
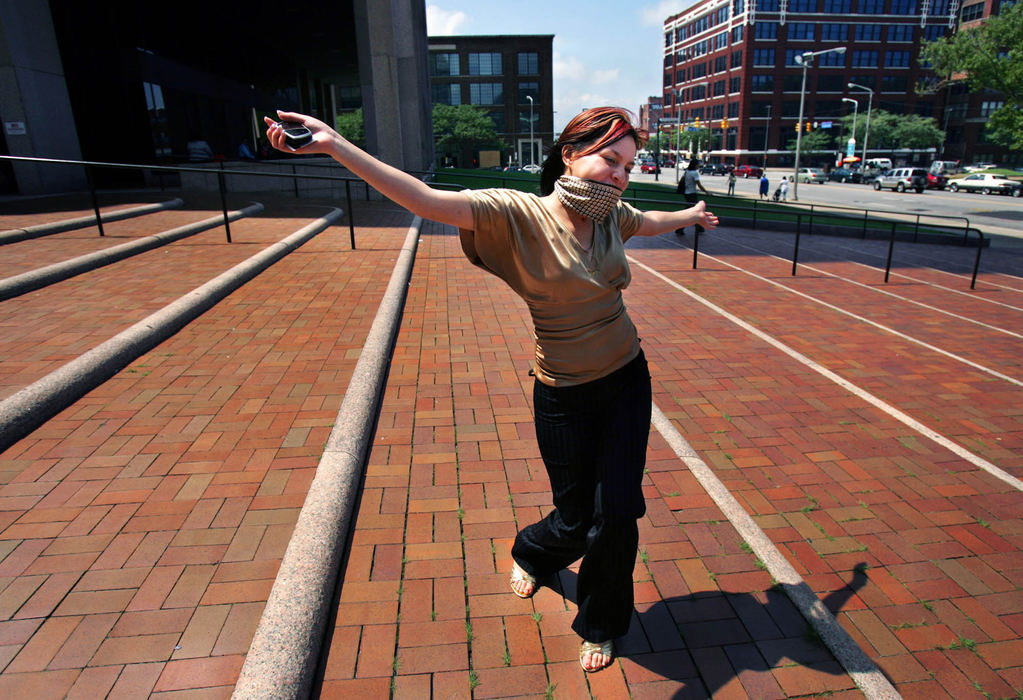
{"type": "Point", "coordinates": [748, 171]}
{"type": "Point", "coordinates": [648, 166]}
{"type": "Point", "coordinates": [936, 182]}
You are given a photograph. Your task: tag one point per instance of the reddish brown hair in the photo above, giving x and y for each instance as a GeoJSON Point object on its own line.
{"type": "Point", "coordinates": [587, 132]}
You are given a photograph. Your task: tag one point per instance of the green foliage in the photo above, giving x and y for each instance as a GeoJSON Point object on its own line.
{"type": "Point", "coordinates": [463, 126]}
{"type": "Point", "coordinates": [351, 126]}
{"type": "Point", "coordinates": [817, 140]}
{"type": "Point", "coordinates": [890, 131]}
{"type": "Point", "coordinates": [988, 56]}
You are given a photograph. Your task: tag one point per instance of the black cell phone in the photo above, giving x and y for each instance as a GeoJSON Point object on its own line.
{"type": "Point", "coordinates": [296, 135]}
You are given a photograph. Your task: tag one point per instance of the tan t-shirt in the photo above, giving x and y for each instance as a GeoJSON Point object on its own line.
{"type": "Point", "coordinates": [580, 325]}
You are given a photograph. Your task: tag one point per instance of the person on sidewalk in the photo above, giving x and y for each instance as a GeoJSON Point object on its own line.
{"type": "Point", "coordinates": [765, 186]}
{"type": "Point", "coordinates": [783, 188]}
{"type": "Point", "coordinates": [731, 183]}
{"type": "Point", "coordinates": [563, 253]}
{"type": "Point", "coordinates": [689, 186]}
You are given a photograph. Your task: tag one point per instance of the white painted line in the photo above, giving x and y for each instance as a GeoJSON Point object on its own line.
{"type": "Point", "coordinates": [895, 413]}
{"type": "Point", "coordinates": [861, 668]}
{"type": "Point", "coordinates": [871, 288]}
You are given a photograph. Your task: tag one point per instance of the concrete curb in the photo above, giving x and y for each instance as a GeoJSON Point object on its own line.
{"type": "Point", "coordinates": [282, 658]}
{"type": "Point", "coordinates": [50, 274]}
{"type": "Point", "coordinates": [40, 230]}
{"type": "Point", "coordinates": [29, 408]}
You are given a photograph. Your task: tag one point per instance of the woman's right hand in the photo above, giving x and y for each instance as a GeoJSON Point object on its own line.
{"type": "Point", "coordinates": [323, 136]}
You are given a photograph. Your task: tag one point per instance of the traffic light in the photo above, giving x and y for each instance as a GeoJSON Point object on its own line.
{"type": "Point", "coordinates": [697, 122]}
{"type": "Point", "coordinates": [808, 127]}
{"type": "Point", "coordinates": [724, 123]}
{"type": "Point", "coordinates": [799, 127]}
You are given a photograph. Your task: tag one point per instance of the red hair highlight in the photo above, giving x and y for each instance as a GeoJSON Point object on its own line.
{"type": "Point", "coordinates": [588, 131]}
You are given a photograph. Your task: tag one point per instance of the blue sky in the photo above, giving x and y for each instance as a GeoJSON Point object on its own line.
{"type": "Point", "coordinates": [606, 52]}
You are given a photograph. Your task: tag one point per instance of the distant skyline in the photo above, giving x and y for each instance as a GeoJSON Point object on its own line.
{"type": "Point", "coordinates": [605, 52]}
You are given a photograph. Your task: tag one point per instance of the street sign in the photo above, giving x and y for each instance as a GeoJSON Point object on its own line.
{"type": "Point", "coordinates": [850, 148]}
{"type": "Point", "coordinates": [826, 125]}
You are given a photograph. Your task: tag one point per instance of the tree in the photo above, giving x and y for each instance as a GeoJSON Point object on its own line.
{"type": "Point", "coordinates": [890, 131]}
{"type": "Point", "coordinates": [351, 126]}
{"type": "Point", "coordinates": [816, 140]}
{"type": "Point", "coordinates": [988, 56]}
{"type": "Point", "coordinates": [461, 127]}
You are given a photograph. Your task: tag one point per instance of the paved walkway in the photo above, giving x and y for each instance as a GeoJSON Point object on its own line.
{"type": "Point", "coordinates": [141, 529]}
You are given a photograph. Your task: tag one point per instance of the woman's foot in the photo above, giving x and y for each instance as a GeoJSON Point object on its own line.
{"type": "Point", "coordinates": [522, 584]}
{"type": "Point", "coordinates": [594, 656]}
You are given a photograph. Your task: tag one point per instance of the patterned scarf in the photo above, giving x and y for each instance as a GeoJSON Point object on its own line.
{"type": "Point", "coordinates": [589, 198]}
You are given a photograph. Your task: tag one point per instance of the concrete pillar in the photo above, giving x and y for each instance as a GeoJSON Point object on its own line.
{"type": "Point", "coordinates": [33, 92]}
{"type": "Point", "coordinates": [395, 85]}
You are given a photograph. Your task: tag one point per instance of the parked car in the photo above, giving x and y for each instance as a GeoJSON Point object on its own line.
{"type": "Point", "coordinates": [531, 168]}
{"type": "Point", "coordinates": [977, 167]}
{"type": "Point", "coordinates": [648, 166]}
{"type": "Point", "coordinates": [869, 177]}
{"type": "Point", "coordinates": [902, 179]}
{"type": "Point", "coordinates": [845, 175]}
{"type": "Point", "coordinates": [748, 171]}
{"type": "Point", "coordinates": [716, 168]}
{"type": "Point", "coordinates": [811, 175]}
{"type": "Point", "coordinates": [936, 182]}
{"type": "Point", "coordinates": [945, 167]}
{"type": "Point", "coordinates": [987, 183]}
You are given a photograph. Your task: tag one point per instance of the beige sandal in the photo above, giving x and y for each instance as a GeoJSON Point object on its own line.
{"type": "Point", "coordinates": [604, 648]}
{"type": "Point", "coordinates": [518, 575]}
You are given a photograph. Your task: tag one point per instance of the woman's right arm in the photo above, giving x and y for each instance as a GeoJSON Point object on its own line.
{"type": "Point", "coordinates": [437, 205]}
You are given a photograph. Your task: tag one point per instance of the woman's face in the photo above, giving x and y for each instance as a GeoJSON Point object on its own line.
{"type": "Point", "coordinates": [610, 164]}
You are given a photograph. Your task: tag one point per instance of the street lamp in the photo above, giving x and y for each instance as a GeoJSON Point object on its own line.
{"type": "Point", "coordinates": [866, 130]}
{"type": "Point", "coordinates": [678, 130]}
{"type": "Point", "coordinates": [856, 109]}
{"type": "Point", "coordinates": [767, 131]}
{"type": "Point", "coordinates": [530, 98]}
{"type": "Point", "coordinates": [805, 60]}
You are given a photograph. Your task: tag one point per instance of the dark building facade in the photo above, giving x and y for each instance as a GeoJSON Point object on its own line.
{"type": "Point", "coordinates": [133, 82]}
{"type": "Point", "coordinates": [732, 64]}
{"type": "Point", "coordinates": [511, 77]}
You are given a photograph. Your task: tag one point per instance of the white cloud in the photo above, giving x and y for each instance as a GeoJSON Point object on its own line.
{"type": "Point", "coordinates": [568, 68]}
{"type": "Point", "coordinates": [440, 22]}
{"type": "Point", "coordinates": [656, 14]}
{"type": "Point", "coordinates": [601, 77]}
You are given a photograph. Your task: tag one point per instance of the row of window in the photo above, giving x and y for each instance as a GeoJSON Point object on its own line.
{"type": "Point", "coordinates": [830, 109]}
{"type": "Point", "coordinates": [863, 7]}
{"type": "Point", "coordinates": [828, 83]}
{"type": "Point", "coordinates": [481, 93]}
{"type": "Point", "coordinates": [448, 64]}
{"type": "Point", "coordinates": [860, 58]}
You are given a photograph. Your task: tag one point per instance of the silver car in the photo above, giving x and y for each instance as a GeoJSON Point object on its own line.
{"type": "Point", "coordinates": [987, 183]}
{"type": "Point", "coordinates": [902, 179]}
{"type": "Point", "coordinates": [812, 175]}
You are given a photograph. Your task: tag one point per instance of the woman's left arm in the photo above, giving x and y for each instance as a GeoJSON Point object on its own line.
{"type": "Point", "coordinates": [658, 222]}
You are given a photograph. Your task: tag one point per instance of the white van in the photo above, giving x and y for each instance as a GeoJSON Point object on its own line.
{"type": "Point", "coordinates": [878, 163]}
{"type": "Point", "coordinates": [945, 167]}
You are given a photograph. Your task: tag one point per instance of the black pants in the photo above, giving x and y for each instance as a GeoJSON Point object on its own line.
{"type": "Point", "coordinates": [593, 440]}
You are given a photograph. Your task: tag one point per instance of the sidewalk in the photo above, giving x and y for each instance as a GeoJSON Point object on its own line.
{"type": "Point", "coordinates": [143, 527]}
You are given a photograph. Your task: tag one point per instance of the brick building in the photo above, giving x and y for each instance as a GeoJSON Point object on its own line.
{"type": "Point", "coordinates": [501, 74]}
{"type": "Point", "coordinates": [731, 64]}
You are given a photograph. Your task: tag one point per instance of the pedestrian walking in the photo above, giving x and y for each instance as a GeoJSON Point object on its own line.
{"type": "Point", "coordinates": [765, 186]}
{"type": "Point", "coordinates": [563, 253]}
{"type": "Point", "coordinates": [689, 187]}
{"type": "Point", "coordinates": [784, 189]}
{"type": "Point", "coordinates": [731, 183]}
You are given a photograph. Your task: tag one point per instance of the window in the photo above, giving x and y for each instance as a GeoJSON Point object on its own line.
{"type": "Point", "coordinates": [868, 32]}
{"type": "Point", "coordinates": [830, 83]}
{"type": "Point", "coordinates": [790, 57]}
{"type": "Point", "coordinates": [900, 32]}
{"type": "Point", "coordinates": [667, 38]}
{"type": "Point", "coordinates": [903, 7]}
{"type": "Point", "coordinates": [933, 32]}
{"type": "Point", "coordinates": [867, 81]}
{"type": "Point", "coordinates": [940, 7]}
{"type": "Point", "coordinates": [972, 12]}
{"type": "Point", "coordinates": [763, 57]}
{"type": "Point", "coordinates": [894, 83]}
{"type": "Point", "coordinates": [738, 7]}
{"type": "Point", "coordinates": [720, 64]}
{"type": "Point", "coordinates": [738, 33]}
{"type": "Point", "coordinates": [871, 7]}
{"type": "Point", "coordinates": [524, 120]}
{"type": "Point", "coordinates": [721, 41]}
{"type": "Point", "coordinates": [699, 92]}
{"type": "Point", "coordinates": [736, 59]}
{"type": "Point", "coordinates": [485, 94]}
{"type": "Point", "coordinates": [733, 110]}
{"type": "Point", "coordinates": [498, 119]}
{"type": "Point", "coordinates": [680, 76]}
{"type": "Point", "coordinates": [790, 108]}
{"type": "Point", "coordinates": [765, 30]}
{"type": "Point", "coordinates": [529, 64]}
{"type": "Point", "coordinates": [989, 108]}
{"type": "Point", "coordinates": [668, 61]}
{"type": "Point", "coordinates": [794, 83]}
{"type": "Point", "coordinates": [762, 83]}
{"type": "Point", "coordinates": [734, 85]}
{"type": "Point", "coordinates": [834, 32]}
{"type": "Point", "coordinates": [767, 6]}
{"type": "Point", "coordinates": [528, 89]}
{"type": "Point", "coordinates": [832, 59]}
{"type": "Point", "coordinates": [896, 59]}
{"type": "Point", "coordinates": [838, 7]}
{"type": "Point", "coordinates": [443, 64]}
{"type": "Point", "coordinates": [801, 30]}
{"type": "Point", "coordinates": [864, 59]}
{"type": "Point", "coordinates": [484, 64]}
{"type": "Point", "coordinates": [699, 70]}
{"type": "Point", "coordinates": [802, 5]}
{"type": "Point", "coordinates": [719, 88]}
{"type": "Point", "coordinates": [446, 94]}
{"type": "Point", "coordinates": [717, 112]}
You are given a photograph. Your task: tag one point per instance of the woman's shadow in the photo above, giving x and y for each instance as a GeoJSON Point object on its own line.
{"type": "Point", "coordinates": [702, 641]}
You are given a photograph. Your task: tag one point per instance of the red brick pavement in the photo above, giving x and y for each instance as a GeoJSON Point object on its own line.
{"type": "Point", "coordinates": [145, 524]}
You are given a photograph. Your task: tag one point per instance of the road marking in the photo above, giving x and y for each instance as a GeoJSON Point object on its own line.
{"type": "Point", "coordinates": [895, 413]}
{"type": "Point", "coordinates": [860, 667]}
